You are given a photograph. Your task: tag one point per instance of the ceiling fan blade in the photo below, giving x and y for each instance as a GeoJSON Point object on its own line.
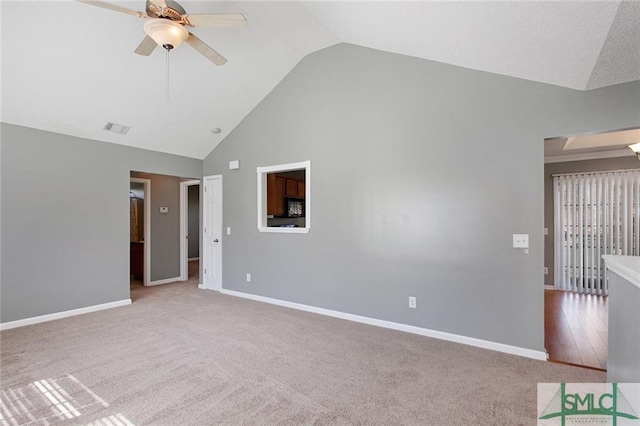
{"type": "Point", "coordinates": [205, 50]}
{"type": "Point", "coordinates": [215, 20]}
{"type": "Point", "coordinates": [146, 46]}
{"type": "Point", "coordinates": [114, 7]}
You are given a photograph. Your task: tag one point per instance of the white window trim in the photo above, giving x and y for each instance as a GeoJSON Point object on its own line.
{"type": "Point", "coordinates": [262, 196]}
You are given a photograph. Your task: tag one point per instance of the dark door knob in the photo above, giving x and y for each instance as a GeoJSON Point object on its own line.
{"type": "Point", "coordinates": [215, 241]}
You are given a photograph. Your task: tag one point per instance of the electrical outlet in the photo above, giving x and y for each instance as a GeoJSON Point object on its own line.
{"type": "Point", "coordinates": [412, 302]}
{"type": "Point", "coordinates": [248, 278]}
{"type": "Point", "coordinates": [546, 270]}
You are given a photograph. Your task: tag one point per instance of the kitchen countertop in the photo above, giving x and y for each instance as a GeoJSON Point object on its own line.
{"type": "Point", "coordinates": [628, 267]}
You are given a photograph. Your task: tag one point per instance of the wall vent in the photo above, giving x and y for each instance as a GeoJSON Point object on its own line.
{"type": "Point", "coordinates": [117, 128]}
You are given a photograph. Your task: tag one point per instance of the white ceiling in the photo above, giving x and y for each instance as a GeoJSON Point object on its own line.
{"type": "Point", "coordinates": [68, 67]}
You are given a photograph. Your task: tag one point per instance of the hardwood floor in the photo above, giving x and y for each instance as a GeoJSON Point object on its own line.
{"type": "Point", "coordinates": [194, 270]}
{"type": "Point", "coordinates": [575, 328]}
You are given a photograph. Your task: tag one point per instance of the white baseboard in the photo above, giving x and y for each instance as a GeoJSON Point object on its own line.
{"type": "Point", "coordinates": [549, 287]}
{"type": "Point", "coordinates": [193, 258]}
{"type": "Point", "coordinates": [202, 286]}
{"type": "Point", "coordinates": [64, 314]}
{"type": "Point", "coordinates": [165, 281]}
{"type": "Point", "coordinates": [471, 341]}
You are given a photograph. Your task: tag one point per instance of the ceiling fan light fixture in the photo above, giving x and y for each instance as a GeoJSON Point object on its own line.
{"type": "Point", "coordinates": [165, 32]}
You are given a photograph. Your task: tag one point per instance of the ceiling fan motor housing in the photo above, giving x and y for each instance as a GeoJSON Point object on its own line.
{"type": "Point", "coordinates": [167, 22]}
{"type": "Point", "coordinates": [173, 11]}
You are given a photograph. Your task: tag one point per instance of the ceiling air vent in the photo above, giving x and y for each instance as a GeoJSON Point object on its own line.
{"type": "Point", "coordinates": [117, 128]}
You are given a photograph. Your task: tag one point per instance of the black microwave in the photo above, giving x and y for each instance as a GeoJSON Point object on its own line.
{"type": "Point", "coordinates": [295, 207]}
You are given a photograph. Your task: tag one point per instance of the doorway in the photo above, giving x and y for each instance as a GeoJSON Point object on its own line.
{"type": "Point", "coordinates": [190, 230]}
{"type": "Point", "coordinates": [162, 243]}
{"type": "Point", "coordinates": [139, 231]}
{"type": "Point", "coordinates": [581, 209]}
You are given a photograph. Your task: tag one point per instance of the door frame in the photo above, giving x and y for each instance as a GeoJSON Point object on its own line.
{"type": "Point", "coordinates": [184, 226]}
{"type": "Point", "coordinates": [146, 202]}
{"type": "Point", "coordinates": [204, 252]}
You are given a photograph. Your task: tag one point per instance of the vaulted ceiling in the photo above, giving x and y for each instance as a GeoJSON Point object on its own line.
{"type": "Point", "coordinates": [69, 67]}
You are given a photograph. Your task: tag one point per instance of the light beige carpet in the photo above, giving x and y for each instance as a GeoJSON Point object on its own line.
{"type": "Point", "coordinates": [183, 356]}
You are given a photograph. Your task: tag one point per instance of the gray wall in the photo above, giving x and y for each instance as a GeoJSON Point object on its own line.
{"type": "Point", "coordinates": [165, 227]}
{"type": "Point", "coordinates": [0, 223]}
{"type": "Point", "coordinates": [621, 163]}
{"type": "Point", "coordinates": [65, 219]}
{"type": "Point", "coordinates": [421, 172]}
{"type": "Point", "coordinates": [623, 359]}
{"type": "Point", "coordinates": [193, 205]}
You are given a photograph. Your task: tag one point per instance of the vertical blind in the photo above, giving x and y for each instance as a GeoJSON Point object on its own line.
{"type": "Point", "coordinates": [595, 214]}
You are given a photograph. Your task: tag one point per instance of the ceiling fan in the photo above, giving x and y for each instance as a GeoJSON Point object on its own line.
{"type": "Point", "coordinates": [166, 26]}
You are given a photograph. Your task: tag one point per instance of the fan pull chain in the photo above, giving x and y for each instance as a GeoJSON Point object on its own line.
{"type": "Point", "coordinates": [167, 74]}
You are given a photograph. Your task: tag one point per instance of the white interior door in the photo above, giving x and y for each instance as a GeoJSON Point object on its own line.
{"type": "Point", "coordinates": [212, 233]}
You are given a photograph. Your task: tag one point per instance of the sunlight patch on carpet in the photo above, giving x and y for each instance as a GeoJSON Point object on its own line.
{"type": "Point", "coordinates": [51, 400]}
{"type": "Point", "coordinates": [115, 420]}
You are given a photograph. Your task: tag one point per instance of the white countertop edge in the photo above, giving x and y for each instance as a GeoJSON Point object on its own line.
{"type": "Point", "coordinates": [628, 267]}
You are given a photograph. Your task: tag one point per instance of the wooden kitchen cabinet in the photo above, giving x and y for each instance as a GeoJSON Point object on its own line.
{"type": "Point", "coordinates": [275, 195]}
{"type": "Point", "coordinates": [292, 188]}
{"type": "Point", "coordinates": [295, 188]}
{"type": "Point", "coordinates": [279, 188]}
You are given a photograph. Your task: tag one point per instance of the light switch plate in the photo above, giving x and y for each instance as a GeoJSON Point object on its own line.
{"type": "Point", "coordinates": [521, 241]}
{"type": "Point", "coordinates": [234, 164]}
{"type": "Point", "coordinates": [228, 230]}
{"type": "Point", "coordinates": [164, 209]}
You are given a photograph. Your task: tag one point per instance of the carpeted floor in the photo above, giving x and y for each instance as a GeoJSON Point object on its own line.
{"type": "Point", "coordinates": [183, 356]}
